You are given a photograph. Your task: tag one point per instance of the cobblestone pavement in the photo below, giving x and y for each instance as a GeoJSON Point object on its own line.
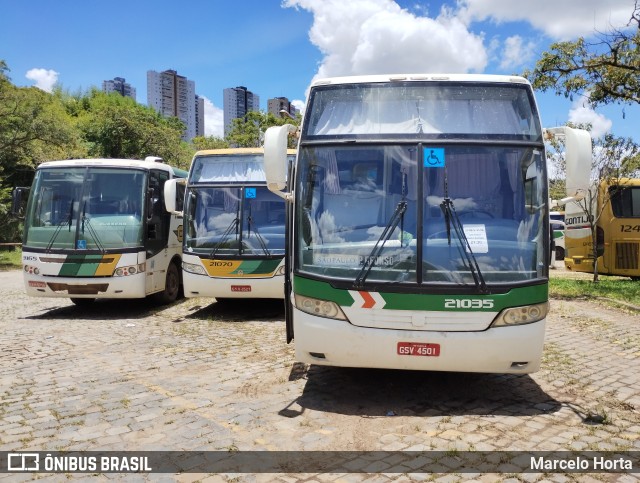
{"type": "Point", "coordinates": [218, 376]}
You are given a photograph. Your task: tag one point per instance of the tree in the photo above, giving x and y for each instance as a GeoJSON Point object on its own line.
{"type": "Point", "coordinates": [201, 143]}
{"type": "Point", "coordinates": [248, 131]}
{"type": "Point", "coordinates": [608, 70]}
{"type": "Point", "coordinates": [34, 127]}
{"type": "Point", "coordinates": [614, 159]}
{"type": "Point", "coordinates": [115, 126]}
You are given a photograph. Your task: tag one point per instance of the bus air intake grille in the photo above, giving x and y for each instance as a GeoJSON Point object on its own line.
{"type": "Point", "coordinates": [627, 255]}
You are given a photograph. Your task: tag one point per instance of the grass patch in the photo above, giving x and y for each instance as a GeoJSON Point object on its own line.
{"type": "Point", "coordinates": [10, 259]}
{"type": "Point", "coordinates": [620, 290]}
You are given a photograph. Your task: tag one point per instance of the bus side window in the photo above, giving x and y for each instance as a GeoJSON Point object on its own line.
{"type": "Point", "coordinates": [158, 218]}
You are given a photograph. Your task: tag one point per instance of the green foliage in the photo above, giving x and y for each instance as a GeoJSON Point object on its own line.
{"type": "Point", "coordinates": [557, 189]}
{"type": "Point", "coordinates": [117, 127]}
{"type": "Point", "coordinates": [34, 127]}
{"type": "Point", "coordinates": [10, 258]}
{"type": "Point", "coordinates": [609, 71]}
{"type": "Point", "coordinates": [201, 143]}
{"type": "Point", "coordinates": [248, 132]}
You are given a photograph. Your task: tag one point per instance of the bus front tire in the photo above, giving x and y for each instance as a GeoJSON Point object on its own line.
{"type": "Point", "coordinates": [171, 286]}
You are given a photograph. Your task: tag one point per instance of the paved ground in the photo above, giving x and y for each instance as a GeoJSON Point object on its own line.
{"type": "Point", "coordinates": [203, 376]}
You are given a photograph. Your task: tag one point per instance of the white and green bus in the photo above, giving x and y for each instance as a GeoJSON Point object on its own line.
{"type": "Point", "coordinates": [97, 228]}
{"type": "Point", "coordinates": [419, 223]}
{"type": "Point", "coordinates": [234, 236]}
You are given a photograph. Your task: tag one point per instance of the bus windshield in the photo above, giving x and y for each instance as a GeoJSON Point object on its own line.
{"type": "Point", "coordinates": [90, 208]}
{"type": "Point", "coordinates": [351, 198]}
{"type": "Point", "coordinates": [234, 220]}
{"type": "Point", "coordinates": [230, 211]}
{"type": "Point", "coordinates": [424, 110]}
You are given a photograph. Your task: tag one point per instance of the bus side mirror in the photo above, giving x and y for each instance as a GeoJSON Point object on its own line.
{"type": "Point", "coordinates": [578, 154]}
{"type": "Point", "coordinates": [172, 193]}
{"type": "Point", "coordinates": [19, 196]}
{"type": "Point", "coordinates": [275, 157]}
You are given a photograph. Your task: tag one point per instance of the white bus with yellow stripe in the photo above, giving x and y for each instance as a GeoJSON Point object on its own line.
{"type": "Point", "coordinates": [97, 228]}
{"type": "Point", "coordinates": [234, 237]}
{"type": "Point", "coordinates": [419, 223]}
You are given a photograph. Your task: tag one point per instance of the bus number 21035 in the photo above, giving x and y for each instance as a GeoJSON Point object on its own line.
{"type": "Point", "coordinates": [468, 304]}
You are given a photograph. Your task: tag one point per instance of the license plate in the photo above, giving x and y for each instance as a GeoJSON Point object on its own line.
{"type": "Point", "coordinates": [241, 288]}
{"type": "Point", "coordinates": [418, 349]}
{"type": "Point", "coordinates": [37, 284]}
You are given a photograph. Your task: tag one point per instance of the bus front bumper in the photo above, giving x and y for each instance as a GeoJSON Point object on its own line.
{"type": "Point", "coordinates": [515, 350]}
{"type": "Point", "coordinates": [204, 286]}
{"type": "Point", "coordinates": [132, 286]}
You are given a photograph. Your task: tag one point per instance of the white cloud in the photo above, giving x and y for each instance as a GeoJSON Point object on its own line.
{"type": "Point", "coordinates": [213, 119]}
{"type": "Point", "coordinates": [377, 36]}
{"type": "Point", "coordinates": [299, 105]}
{"type": "Point", "coordinates": [516, 53]}
{"type": "Point", "coordinates": [44, 79]}
{"type": "Point", "coordinates": [560, 20]}
{"type": "Point", "coordinates": [582, 113]}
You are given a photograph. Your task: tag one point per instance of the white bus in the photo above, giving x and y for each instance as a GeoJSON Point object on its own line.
{"type": "Point", "coordinates": [234, 236]}
{"type": "Point", "coordinates": [97, 228]}
{"type": "Point", "coordinates": [419, 227]}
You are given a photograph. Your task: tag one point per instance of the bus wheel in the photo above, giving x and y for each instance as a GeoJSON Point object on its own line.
{"type": "Point", "coordinates": [171, 286]}
{"type": "Point", "coordinates": [559, 254]}
{"type": "Point", "coordinates": [82, 302]}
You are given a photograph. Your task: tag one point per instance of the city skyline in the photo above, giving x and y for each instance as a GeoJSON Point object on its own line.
{"type": "Point", "coordinates": [163, 97]}
{"type": "Point", "coordinates": [276, 49]}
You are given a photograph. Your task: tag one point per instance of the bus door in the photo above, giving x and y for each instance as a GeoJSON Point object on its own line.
{"type": "Point", "coordinates": [158, 221]}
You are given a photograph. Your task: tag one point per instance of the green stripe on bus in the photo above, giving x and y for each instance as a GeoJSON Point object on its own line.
{"type": "Point", "coordinates": [80, 265]}
{"type": "Point", "coordinates": [257, 266]}
{"type": "Point", "coordinates": [410, 301]}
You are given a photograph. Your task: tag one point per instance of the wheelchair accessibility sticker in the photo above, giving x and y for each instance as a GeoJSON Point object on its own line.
{"type": "Point", "coordinates": [433, 157]}
{"type": "Point", "coordinates": [249, 193]}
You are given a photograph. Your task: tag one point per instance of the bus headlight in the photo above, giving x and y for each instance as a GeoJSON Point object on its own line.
{"type": "Point", "coordinates": [521, 315]}
{"type": "Point", "coordinates": [129, 270]}
{"type": "Point", "coordinates": [193, 268]}
{"type": "Point", "coordinates": [32, 270]}
{"type": "Point", "coordinates": [280, 270]}
{"type": "Point", "coordinates": [321, 308]}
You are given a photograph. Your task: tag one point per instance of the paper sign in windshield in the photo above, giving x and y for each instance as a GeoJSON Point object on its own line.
{"type": "Point", "coordinates": [477, 236]}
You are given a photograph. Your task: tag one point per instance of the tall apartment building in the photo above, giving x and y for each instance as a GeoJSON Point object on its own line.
{"type": "Point", "coordinates": [118, 84]}
{"type": "Point", "coordinates": [174, 95]}
{"type": "Point", "coordinates": [277, 104]}
{"type": "Point", "coordinates": [199, 115]}
{"type": "Point", "coordinates": [237, 102]}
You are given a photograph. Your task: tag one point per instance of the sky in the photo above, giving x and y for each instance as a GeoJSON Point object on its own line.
{"type": "Point", "coordinates": [276, 48]}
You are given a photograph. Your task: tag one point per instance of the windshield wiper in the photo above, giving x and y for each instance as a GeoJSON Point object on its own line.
{"type": "Point", "coordinates": [68, 221]}
{"type": "Point", "coordinates": [396, 217]}
{"type": "Point", "coordinates": [250, 223]}
{"type": "Point", "coordinates": [451, 218]}
{"type": "Point", "coordinates": [232, 226]}
{"type": "Point", "coordinates": [92, 231]}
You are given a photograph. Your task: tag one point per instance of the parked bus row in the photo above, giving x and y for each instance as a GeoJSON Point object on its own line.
{"type": "Point", "coordinates": [116, 229]}
{"type": "Point", "coordinates": [410, 231]}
